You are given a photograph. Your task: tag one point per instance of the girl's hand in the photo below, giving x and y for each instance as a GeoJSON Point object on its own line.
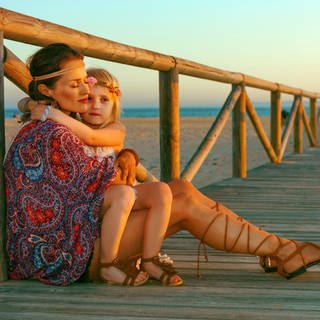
{"type": "Point", "coordinates": [37, 109]}
{"type": "Point", "coordinates": [127, 164]}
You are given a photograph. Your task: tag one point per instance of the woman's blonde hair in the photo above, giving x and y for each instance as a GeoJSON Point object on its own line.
{"type": "Point", "coordinates": [106, 79]}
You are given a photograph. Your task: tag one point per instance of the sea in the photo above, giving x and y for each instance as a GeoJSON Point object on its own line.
{"type": "Point", "coordinates": [153, 112]}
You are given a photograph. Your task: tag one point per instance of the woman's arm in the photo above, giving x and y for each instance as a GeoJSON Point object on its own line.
{"type": "Point", "coordinates": [112, 135]}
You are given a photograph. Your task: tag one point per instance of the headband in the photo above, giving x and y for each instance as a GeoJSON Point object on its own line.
{"type": "Point", "coordinates": [56, 73]}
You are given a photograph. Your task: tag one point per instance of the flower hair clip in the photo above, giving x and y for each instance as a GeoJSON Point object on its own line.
{"type": "Point", "coordinates": [92, 81]}
{"type": "Point", "coordinates": [116, 91]}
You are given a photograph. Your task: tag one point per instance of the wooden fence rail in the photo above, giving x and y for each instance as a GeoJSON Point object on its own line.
{"type": "Point", "coordinates": [26, 29]}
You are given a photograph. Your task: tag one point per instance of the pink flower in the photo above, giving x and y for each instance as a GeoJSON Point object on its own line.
{"type": "Point", "coordinates": [92, 81]}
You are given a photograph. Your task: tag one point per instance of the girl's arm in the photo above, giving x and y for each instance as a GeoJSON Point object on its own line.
{"type": "Point", "coordinates": [112, 135]}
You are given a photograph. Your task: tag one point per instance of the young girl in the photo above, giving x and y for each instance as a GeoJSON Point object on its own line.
{"type": "Point", "coordinates": [104, 134]}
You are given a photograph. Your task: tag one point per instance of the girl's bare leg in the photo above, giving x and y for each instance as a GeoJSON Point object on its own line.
{"type": "Point", "coordinates": [157, 197]}
{"type": "Point", "coordinates": [119, 200]}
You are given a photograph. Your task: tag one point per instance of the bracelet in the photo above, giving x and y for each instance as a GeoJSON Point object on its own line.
{"type": "Point", "coordinates": [45, 113]}
{"type": "Point", "coordinates": [136, 156]}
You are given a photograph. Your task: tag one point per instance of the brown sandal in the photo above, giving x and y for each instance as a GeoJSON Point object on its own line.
{"type": "Point", "coordinates": [230, 246]}
{"type": "Point", "coordinates": [266, 264]}
{"type": "Point", "coordinates": [298, 251]}
{"type": "Point", "coordinates": [128, 267]}
{"type": "Point", "coordinates": [168, 271]}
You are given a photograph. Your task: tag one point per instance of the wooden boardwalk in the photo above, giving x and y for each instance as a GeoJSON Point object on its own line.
{"type": "Point", "coordinates": [283, 198]}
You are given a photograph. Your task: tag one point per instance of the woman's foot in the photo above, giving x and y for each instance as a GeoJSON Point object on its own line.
{"type": "Point", "coordinates": [294, 258]}
{"type": "Point", "coordinates": [122, 273]}
{"type": "Point", "coordinates": [268, 264]}
{"type": "Point", "coordinates": [162, 271]}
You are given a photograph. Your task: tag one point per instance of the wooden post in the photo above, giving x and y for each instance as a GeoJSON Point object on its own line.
{"type": "Point", "coordinates": [212, 135]}
{"type": "Point", "coordinates": [3, 259]}
{"type": "Point", "coordinates": [239, 137]}
{"type": "Point", "coordinates": [260, 131]}
{"type": "Point", "coordinates": [289, 126]}
{"type": "Point", "coordinates": [307, 126]}
{"type": "Point", "coordinates": [314, 118]}
{"type": "Point", "coordinates": [298, 130]}
{"type": "Point", "coordinates": [169, 124]}
{"type": "Point", "coordinates": [275, 121]}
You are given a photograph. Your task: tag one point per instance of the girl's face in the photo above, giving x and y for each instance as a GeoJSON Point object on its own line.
{"type": "Point", "coordinates": [100, 107]}
{"type": "Point", "coordinates": [71, 91]}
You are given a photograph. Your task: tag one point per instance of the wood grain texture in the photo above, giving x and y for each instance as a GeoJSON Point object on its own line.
{"type": "Point", "coordinates": [282, 198]}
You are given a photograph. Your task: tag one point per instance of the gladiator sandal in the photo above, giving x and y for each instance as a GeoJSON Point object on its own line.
{"type": "Point", "coordinates": [269, 264]}
{"type": "Point", "coordinates": [229, 247]}
{"type": "Point", "coordinates": [297, 251]}
{"type": "Point", "coordinates": [128, 267]}
{"type": "Point", "coordinates": [168, 271]}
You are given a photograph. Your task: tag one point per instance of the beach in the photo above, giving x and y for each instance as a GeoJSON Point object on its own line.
{"type": "Point", "coordinates": [143, 136]}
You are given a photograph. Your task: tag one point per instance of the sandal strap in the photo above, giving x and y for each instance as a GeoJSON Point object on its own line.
{"type": "Point", "coordinates": [168, 270]}
{"type": "Point", "coordinates": [127, 266]}
{"type": "Point", "coordinates": [201, 242]}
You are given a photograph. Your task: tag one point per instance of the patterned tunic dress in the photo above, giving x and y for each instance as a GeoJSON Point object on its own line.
{"type": "Point", "coordinates": [54, 194]}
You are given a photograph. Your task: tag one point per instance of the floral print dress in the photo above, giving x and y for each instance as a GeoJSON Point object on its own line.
{"type": "Point", "coordinates": [54, 193]}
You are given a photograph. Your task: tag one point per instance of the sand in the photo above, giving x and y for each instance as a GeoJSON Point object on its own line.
{"type": "Point", "coordinates": [143, 136]}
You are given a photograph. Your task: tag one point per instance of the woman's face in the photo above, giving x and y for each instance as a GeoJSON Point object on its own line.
{"type": "Point", "coordinates": [71, 90]}
{"type": "Point", "coordinates": [100, 107]}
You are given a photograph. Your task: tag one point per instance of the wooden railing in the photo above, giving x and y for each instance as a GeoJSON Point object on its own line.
{"type": "Point", "coordinates": [25, 29]}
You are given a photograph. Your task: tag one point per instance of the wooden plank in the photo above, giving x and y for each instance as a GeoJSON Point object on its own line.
{"type": "Point", "coordinates": [232, 286]}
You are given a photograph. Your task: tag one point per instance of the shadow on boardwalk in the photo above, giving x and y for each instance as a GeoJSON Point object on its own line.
{"type": "Point", "coordinates": [281, 198]}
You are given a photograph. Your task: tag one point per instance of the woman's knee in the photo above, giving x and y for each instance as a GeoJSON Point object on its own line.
{"type": "Point", "coordinates": [183, 190]}
{"type": "Point", "coordinates": [179, 186]}
{"type": "Point", "coordinates": [162, 193]}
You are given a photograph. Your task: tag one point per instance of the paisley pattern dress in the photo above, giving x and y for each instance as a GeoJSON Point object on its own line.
{"type": "Point", "coordinates": [54, 193]}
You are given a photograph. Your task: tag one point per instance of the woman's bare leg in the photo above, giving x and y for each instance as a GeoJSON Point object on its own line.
{"type": "Point", "coordinates": [222, 229]}
{"type": "Point", "coordinates": [188, 213]}
{"type": "Point", "coordinates": [181, 186]}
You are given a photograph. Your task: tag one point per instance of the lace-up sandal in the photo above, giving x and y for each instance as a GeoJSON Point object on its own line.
{"type": "Point", "coordinates": [297, 252]}
{"type": "Point", "coordinates": [129, 268]}
{"type": "Point", "coordinates": [228, 245]}
{"type": "Point", "coordinates": [169, 276]}
{"type": "Point", "coordinates": [267, 264]}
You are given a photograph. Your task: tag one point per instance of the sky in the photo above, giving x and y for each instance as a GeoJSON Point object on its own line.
{"type": "Point", "coordinates": [275, 40]}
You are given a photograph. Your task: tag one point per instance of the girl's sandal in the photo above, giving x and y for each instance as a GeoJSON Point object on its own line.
{"type": "Point", "coordinates": [129, 269]}
{"type": "Point", "coordinates": [298, 251]}
{"type": "Point", "coordinates": [168, 274]}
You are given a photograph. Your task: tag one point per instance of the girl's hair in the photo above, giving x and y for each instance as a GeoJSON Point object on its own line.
{"type": "Point", "coordinates": [106, 79]}
{"type": "Point", "coordinates": [45, 61]}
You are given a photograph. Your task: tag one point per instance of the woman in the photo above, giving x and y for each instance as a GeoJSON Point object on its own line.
{"type": "Point", "coordinates": [210, 222]}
